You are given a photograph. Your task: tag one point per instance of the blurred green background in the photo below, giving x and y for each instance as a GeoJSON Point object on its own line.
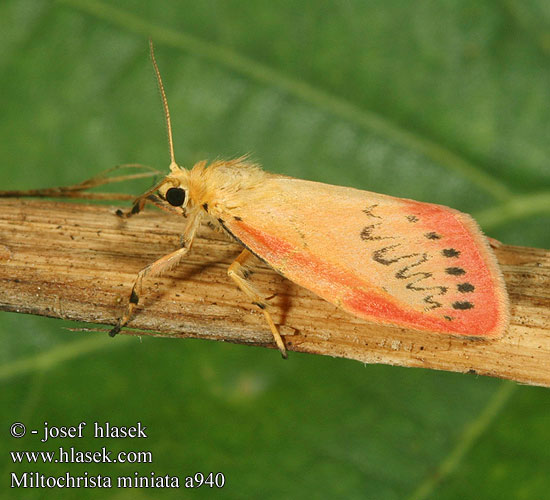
{"type": "Point", "coordinates": [446, 102]}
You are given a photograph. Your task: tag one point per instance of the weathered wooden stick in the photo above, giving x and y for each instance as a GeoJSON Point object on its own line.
{"type": "Point", "coordinates": [78, 262]}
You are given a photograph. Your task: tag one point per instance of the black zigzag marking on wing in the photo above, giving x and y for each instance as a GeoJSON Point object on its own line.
{"type": "Point", "coordinates": [422, 275]}
{"type": "Point", "coordinates": [366, 233]}
{"type": "Point", "coordinates": [380, 255]}
{"type": "Point", "coordinates": [387, 256]}
{"type": "Point", "coordinates": [369, 210]}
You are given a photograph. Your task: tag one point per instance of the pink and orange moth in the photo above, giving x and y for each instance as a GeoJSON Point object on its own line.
{"type": "Point", "coordinates": [385, 259]}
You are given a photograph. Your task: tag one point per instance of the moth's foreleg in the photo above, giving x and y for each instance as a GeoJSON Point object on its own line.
{"type": "Point", "coordinates": [237, 273]}
{"type": "Point", "coordinates": [137, 207]}
{"type": "Point", "coordinates": [155, 269]}
{"type": "Point", "coordinates": [139, 203]}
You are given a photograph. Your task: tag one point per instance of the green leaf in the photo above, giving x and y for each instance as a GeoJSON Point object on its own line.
{"type": "Point", "coordinates": [446, 102]}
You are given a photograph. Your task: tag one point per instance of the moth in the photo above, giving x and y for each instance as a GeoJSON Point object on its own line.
{"type": "Point", "coordinates": [388, 260]}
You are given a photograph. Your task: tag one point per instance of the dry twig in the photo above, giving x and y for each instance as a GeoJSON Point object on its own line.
{"type": "Point", "coordinates": [78, 262]}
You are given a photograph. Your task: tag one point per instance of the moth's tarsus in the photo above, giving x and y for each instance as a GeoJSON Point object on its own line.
{"type": "Point", "coordinates": [125, 215]}
{"type": "Point", "coordinates": [134, 298]}
{"type": "Point", "coordinates": [115, 331]}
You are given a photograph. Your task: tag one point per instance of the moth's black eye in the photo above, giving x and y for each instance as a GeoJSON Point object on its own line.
{"type": "Point", "coordinates": [175, 196]}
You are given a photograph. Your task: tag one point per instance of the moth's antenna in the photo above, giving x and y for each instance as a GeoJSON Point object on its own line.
{"type": "Point", "coordinates": [173, 164]}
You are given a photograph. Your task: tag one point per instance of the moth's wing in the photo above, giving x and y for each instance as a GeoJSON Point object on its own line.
{"type": "Point", "coordinates": [386, 259]}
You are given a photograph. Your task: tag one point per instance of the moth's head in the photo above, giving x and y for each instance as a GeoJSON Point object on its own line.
{"type": "Point", "coordinates": [174, 188]}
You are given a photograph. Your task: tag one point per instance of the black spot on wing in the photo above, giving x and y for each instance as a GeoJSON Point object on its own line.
{"type": "Point", "coordinates": [433, 236]}
{"type": "Point", "coordinates": [466, 287]}
{"type": "Point", "coordinates": [450, 252]}
{"type": "Point", "coordinates": [412, 218]}
{"type": "Point", "coordinates": [455, 271]}
{"type": "Point", "coordinates": [462, 305]}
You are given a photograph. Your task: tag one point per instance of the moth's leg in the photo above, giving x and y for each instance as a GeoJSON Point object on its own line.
{"type": "Point", "coordinates": [155, 269]}
{"type": "Point", "coordinates": [137, 207]}
{"type": "Point", "coordinates": [164, 205]}
{"type": "Point", "coordinates": [76, 190]}
{"type": "Point", "coordinates": [237, 273]}
{"type": "Point", "coordinates": [139, 202]}
{"type": "Point", "coordinates": [493, 243]}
